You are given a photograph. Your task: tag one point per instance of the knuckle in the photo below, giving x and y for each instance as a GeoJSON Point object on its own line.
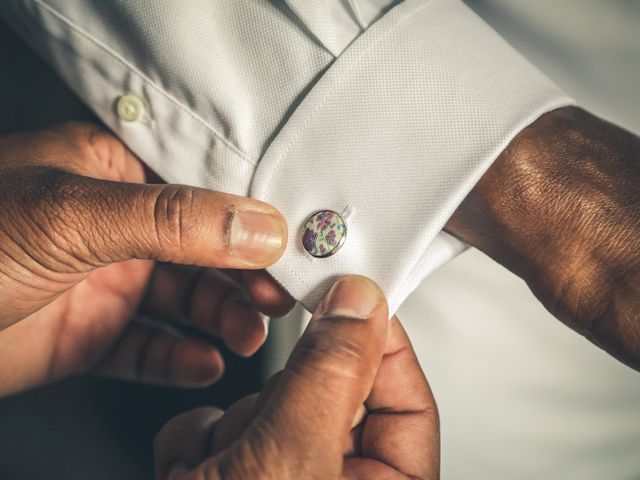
{"type": "Point", "coordinates": [260, 443]}
{"type": "Point", "coordinates": [335, 355]}
{"type": "Point", "coordinates": [259, 446]}
{"type": "Point", "coordinates": [175, 216]}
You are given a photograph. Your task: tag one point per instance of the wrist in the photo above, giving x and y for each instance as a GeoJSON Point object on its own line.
{"type": "Point", "coordinates": [559, 208]}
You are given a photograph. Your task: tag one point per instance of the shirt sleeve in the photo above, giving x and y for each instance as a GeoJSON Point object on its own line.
{"type": "Point", "coordinates": [395, 134]}
{"type": "Point", "coordinates": [390, 131]}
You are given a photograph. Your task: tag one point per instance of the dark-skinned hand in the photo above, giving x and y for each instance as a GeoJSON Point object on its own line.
{"type": "Point", "coordinates": [83, 237]}
{"type": "Point", "coordinates": [560, 208]}
{"type": "Point", "coordinates": [351, 403]}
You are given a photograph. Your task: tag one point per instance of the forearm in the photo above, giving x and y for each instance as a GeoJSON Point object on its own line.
{"type": "Point", "coordinates": [561, 208]}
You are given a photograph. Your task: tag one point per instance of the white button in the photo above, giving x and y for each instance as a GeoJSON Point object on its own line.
{"type": "Point", "coordinates": [130, 107]}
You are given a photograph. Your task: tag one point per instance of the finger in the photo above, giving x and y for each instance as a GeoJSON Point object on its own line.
{"type": "Point", "coordinates": [369, 469]}
{"type": "Point", "coordinates": [169, 293]}
{"type": "Point", "coordinates": [239, 415]}
{"type": "Point", "coordinates": [329, 374]}
{"type": "Point", "coordinates": [265, 292]}
{"type": "Point", "coordinates": [268, 296]}
{"type": "Point", "coordinates": [99, 222]}
{"type": "Point", "coordinates": [153, 355]}
{"type": "Point", "coordinates": [234, 422]}
{"type": "Point", "coordinates": [401, 428]}
{"type": "Point", "coordinates": [184, 440]}
{"type": "Point", "coordinates": [242, 327]}
{"type": "Point", "coordinates": [352, 441]}
{"type": "Point", "coordinates": [205, 436]}
{"type": "Point", "coordinates": [208, 301]}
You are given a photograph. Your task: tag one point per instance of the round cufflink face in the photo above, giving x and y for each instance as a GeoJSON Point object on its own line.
{"type": "Point", "coordinates": [130, 107]}
{"type": "Point", "coordinates": [324, 233]}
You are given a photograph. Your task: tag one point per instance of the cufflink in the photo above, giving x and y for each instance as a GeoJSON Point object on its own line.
{"type": "Point", "coordinates": [324, 233]}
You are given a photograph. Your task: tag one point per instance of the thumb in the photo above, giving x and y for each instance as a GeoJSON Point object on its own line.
{"type": "Point", "coordinates": [330, 373]}
{"type": "Point", "coordinates": [104, 222]}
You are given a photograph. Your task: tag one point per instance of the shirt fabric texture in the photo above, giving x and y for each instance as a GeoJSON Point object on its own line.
{"type": "Point", "coordinates": [386, 111]}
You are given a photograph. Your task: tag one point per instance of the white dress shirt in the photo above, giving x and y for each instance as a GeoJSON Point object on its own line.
{"type": "Point", "coordinates": [386, 112]}
{"type": "Point", "coordinates": [226, 87]}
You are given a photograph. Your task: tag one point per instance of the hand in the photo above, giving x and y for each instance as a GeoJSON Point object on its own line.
{"type": "Point", "coordinates": [561, 208]}
{"type": "Point", "coordinates": [309, 421]}
{"type": "Point", "coordinates": [79, 233]}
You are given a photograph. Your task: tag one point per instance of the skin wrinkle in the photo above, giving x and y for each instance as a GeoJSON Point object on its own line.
{"type": "Point", "coordinates": [56, 242]}
{"type": "Point", "coordinates": [20, 239]}
{"type": "Point", "coordinates": [97, 144]}
{"type": "Point", "coordinates": [145, 242]}
{"type": "Point", "coordinates": [557, 208]}
{"type": "Point", "coordinates": [391, 411]}
{"type": "Point", "coordinates": [608, 322]}
{"type": "Point", "coordinates": [230, 213]}
{"type": "Point", "coordinates": [49, 291]}
{"type": "Point", "coordinates": [95, 242]}
{"type": "Point", "coordinates": [168, 221]}
{"type": "Point", "coordinates": [245, 459]}
{"type": "Point", "coordinates": [294, 369]}
{"type": "Point", "coordinates": [35, 270]}
{"type": "Point", "coordinates": [298, 428]}
{"type": "Point", "coordinates": [328, 354]}
{"type": "Point", "coordinates": [65, 214]}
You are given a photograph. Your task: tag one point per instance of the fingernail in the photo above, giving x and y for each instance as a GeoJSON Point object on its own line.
{"type": "Point", "coordinates": [177, 471]}
{"type": "Point", "coordinates": [257, 237]}
{"type": "Point", "coordinates": [359, 416]}
{"type": "Point", "coordinates": [265, 321]}
{"type": "Point", "coordinates": [355, 297]}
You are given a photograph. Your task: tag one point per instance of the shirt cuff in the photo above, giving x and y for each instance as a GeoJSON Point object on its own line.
{"type": "Point", "coordinates": [394, 135]}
